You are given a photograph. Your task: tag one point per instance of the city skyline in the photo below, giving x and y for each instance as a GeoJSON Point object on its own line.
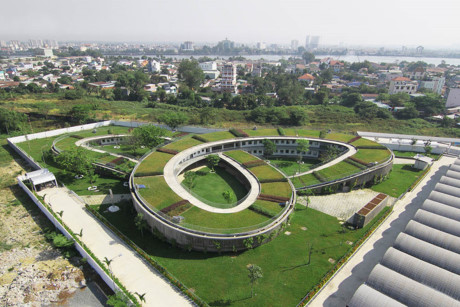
{"type": "Point", "coordinates": [392, 23]}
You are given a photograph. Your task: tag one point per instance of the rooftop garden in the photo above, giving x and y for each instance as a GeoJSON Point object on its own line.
{"type": "Point", "coordinates": [153, 164]}
{"type": "Point", "coordinates": [157, 193]}
{"type": "Point", "coordinates": [184, 143]}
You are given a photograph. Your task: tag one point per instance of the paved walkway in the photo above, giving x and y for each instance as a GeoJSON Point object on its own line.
{"type": "Point", "coordinates": [83, 143]}
{"type": "Point", "coordinates": [127, 266]}
{"type": "Point", "coordinates": [356, 271]}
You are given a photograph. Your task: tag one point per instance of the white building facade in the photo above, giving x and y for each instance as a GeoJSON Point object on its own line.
{"type": "Point", "coordinates": [228, 81]}
{"type": "Point", "coordinates": [403, 85]}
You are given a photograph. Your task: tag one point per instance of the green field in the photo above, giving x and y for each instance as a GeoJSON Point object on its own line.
{"type": "Point", "coordinates": [290, 167]}
{"type": "Point", "coordinates": [208, 187]}
{"type": "Point", "coordinates": [282, 189]}
{"type": "Point", "coordinates": [153, 164]}
{"type": "Point", "coordinates": [372, 155]}
{"type": "Point", "coordinates": [301, 132]}
{"type": "Point", "coordinates": [217, 136]}
{"type": "Point", "coordinates": [183, 143]}
{"type": "Point", "coordinates": [262, 132]}
{"type": "Point", "coordinates": [401, 178]}
{"type": "Point", "coordinates": [305, 180]}
{"type": "Point", "coordinates": [339, 170]}
{"type": "Point", "coordinates": [365, 142]}
{"type": "Point", "coordinates": [221, 280]}
{"type": "Point", "coordinates": [241, 156]}
{"type": "Point", "coordinates": [157, 193]}
{"type": "Point", "coordinates": [339, 137]}
{"type": "Point", "coordinates": [266, 172]}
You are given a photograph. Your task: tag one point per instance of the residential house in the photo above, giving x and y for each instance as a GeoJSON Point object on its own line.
{"type": "Point", "coordinates": [403, 85]}
{"type": "Point", "coordinates": [435, 84]}
{"type": "Point", "coordinates": [228, 79]}
{"type": "Point", "coordinates": [307, 78]}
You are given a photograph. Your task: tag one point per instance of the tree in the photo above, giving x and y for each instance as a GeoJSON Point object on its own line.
{"type": "Point", "coordinates": [190, 72]}
{"type": "Point", "coordinates": [213, 161]}
{"type": "Point", "coordinates": [75, 160]}
{"type": "Point", "coordinates": [447, 122]}
{"type": "Point", "coordinates": [12, 121]}
{"type": "Point", "coordinates": [302, 147]}
{"type": "Point", "coordinates": [399, 99]}
{"type": "Point", "coordinates": [173, 120]}
{"type": "Point", "coordinates": [351, 99]}
{"type": "Point", "coordinates": [330, 153]}
{"type": "Point", "coordinates": [407, 113]}
{"type": "Point", "coordinates": [148, 136]}
{"type": "Point", "coordinates": [269, 147]}
{"type": "Point", "coordinates": [81, 113]}
{"type": "Point", "coordinates": [308, 57]}
{"type": "Point", "coordinates": [189, 179]}
{"type": "Point", "coordinates": [255, 273]}
{"type": "Point", "coordinates": [228, 195]}
{"type": "Point", "coordinates": [207, 115]}
{"type": "Point", "coordinates": [140, 223]}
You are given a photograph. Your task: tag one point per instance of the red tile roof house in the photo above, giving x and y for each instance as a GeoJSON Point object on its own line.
{"type": "Point", "coordinates": [309, 79]}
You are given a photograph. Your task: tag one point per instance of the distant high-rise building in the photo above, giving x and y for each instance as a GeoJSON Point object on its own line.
{"type": "Point", "coordinates": [314, 42]}
{"type": "Point", "coordinates": [294, 44]}
{"type": "Point", "coordinates": [307, 42]}
{"type": "Point", "coordinates": [261, 46]}
{"type": "Point", "coordinates": [187, 46]}
{"type": "Point", "coordinates": [228, 82]}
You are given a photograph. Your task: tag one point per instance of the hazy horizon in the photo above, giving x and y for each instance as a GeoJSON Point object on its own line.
{"type": "Point", "coordinates": [359, 22]}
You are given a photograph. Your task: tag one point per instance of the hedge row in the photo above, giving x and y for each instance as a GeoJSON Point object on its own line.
{"type": "Point", "coordinates": [341, 261]}
{"type": "Point", "coordinates": [319, 177]}
{"type": "Point", "coordinates": [199, 138]}
{"type": "Point", "coordinates": [75, 136]}
{"type": "Point", "coordinates": [273, 198]}
{"type": "Point", "coordinates": [262, 211]}
{"type": "Point", "coordinates": [273, 180]}
{"type": "Point", "coordinates": [354, 163]}
{"type": "Point", "coordinates": [197, 300]}
{"type": "Point", "coordinates": [254, 163]}
{"type": "Point", "coordinates": [174, 206]}
{"type": "Point", "coordinates": [281, 131]}
{"type": "Point", "coordinates": [238, 133]}
{"type": "Point", "coordinates": [169, 151]}
{"type": "Point", "coordinates": [354, 139]}
{"type": "Point", "coordinates": [357, 161]}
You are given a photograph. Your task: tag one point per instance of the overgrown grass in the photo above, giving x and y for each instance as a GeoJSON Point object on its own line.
{"type": "Point", "coordinates": [183, 143]}
{"type": "Point", "coordinates": [286, 275]}
{"type": "Point", "coordinates": [157, 192]}
{"type": "Point", "coordinates": [153, 164]}
{"type": "Point", "coordinates": [400, 179]}
{"type": "Point", "coordinates": [241, 156]}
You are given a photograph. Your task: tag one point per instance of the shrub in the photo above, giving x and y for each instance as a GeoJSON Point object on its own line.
{"type": "Point", "coordinates": [169, 151]}
{"type": "Point", "coordinates": [319, 177]}
{"type": "Point", "coordinates": [262, 211]}
{"type": "Point", "coordinates": [354, 139]}
{"type": "Point", "coordinates": [281, 131]}
{"type": "Point", "coordinates": [254, 163]}
{"type": "Point", "coordinates": [199, 138]}
{"type": "Point", "coordinates": [322, 134]}
{"type": "Point", "coordinates": [238, 133]}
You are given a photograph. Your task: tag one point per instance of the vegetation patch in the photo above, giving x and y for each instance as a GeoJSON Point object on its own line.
{"type": "Point", "coordinates": [266, 173]}
{"type": "Point", "coordinates": [183, 144]}
{"type": "Point", "coordinates": [372, 155]}
{"type": "Point", "coordinates": [217, 136]}
{"type": "Point", "coordinates": [268, 208]}
{"type": "Point", "coordinates": [238, 133]}
{"type": "Point", "coordinates": [339, 137]}
{"type": "Point", "coordinates": [262, 132]}
{"type": "Point", "coordinates": [354, 139]}
{"type": "Point", "coordinates": [254, 163]}
{"type": "Point", "coordinates": [282, 189]}
{"type": "Point", "coordinates": [305, 181]}
{"type": "Point", "coordinates": [301, 132]}
{"type": "Point", "coordinates": [153, 165]}
{"type": "Point", "coordinates": [168, 151]}
{"type": "Point", "coordinates": [281, 131]}
{"type": "Point", "coordinates": [402, 176]}
{"type": "Point", "coordinates": [177, 208]}
{"type": "Point", "coordinates": [157, 193]}
{"type": "Point", "coordinates": [355, 163]}
{"type": "Point", "coordinates": [290, 166]}
{"type": "Point", "coordinates": [199, 138]}
{"type": "Point", "coordinates": [365, 142]}
{"type": "Point", "coordinates": [241, 156]}
{"type": "Point", "coordinates": [337, 171]}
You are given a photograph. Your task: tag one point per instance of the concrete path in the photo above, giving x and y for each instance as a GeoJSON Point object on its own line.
{"type": "Point", "coordinates": [343, 285]}
{"type": "Point", "coordinates": [105, 199]}
{"type": "Point", "coordinates": [135, 274]}
{"type": "Point", "coordinates": [83, 143]}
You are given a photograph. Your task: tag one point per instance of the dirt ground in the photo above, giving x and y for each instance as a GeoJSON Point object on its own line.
{"type": "Point", "coordinates": [32, 272]}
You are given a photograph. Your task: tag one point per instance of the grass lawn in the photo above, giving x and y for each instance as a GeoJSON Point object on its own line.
{"type": "Point", "coordinates": [153, 164]}
{"type": "Point", "coordinates": [217, 136]}
{"type": "Point", "coordinates": [339, 137]}
{"type": "Point", "coordinates": [365, 142]}
{"type": "Point", "coordinates": [210, 186]}
{"type": "Point", "coordinates": [183, 143]}
{"type": "Point", "coordinates": [372, 155]}
{"type": "Point", "coordinates": [241, 156]}
{"type": "Point", "coordinates": [266, 172]}
{"type": "Point", "coordinates": [222, 279]}
{"type": "Point", "coordinates": [301, 132]}
{"type": "Point", "coordinates": [262, 132]}
{"type": "Point", "coordinates": [157, 193]}
{"type": "Point", "coordinates": [276, 188]}
{"type": "Point", "coordinates": [401, 178]}
{"type": "Point", "coordinates": [339, 170]}
{"type": "Point", "coordinates": [290, 167]}
{"type": "Point", "coordinates": [411, 154]}
{"type": "Point", "coordinates": [272, 207]}
{"type": "Point", "coordinates": [196, 218]}
{"type": "Point", "coordinates": [305, 180]}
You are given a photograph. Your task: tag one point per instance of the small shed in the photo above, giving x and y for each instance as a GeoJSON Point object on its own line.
{"type": "Point", "coordinates": [41, 179]}
{"type": "Point", "coordinates": [421, 162]}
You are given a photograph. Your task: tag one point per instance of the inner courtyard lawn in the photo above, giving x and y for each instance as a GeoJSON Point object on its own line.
{"type": "Point", "coordinates": [290, 166]}
{"type": "Point", "coordinates": [209, 187]}
{"type": "Point", "coordinates": [221, 280]}
{"type": "Point", "coordinates": [401, 178]}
